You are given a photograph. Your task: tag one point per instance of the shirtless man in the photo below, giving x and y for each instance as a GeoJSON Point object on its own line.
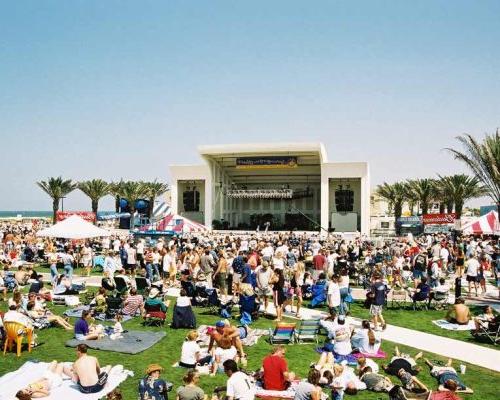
{"type": "Point", "coordinates": [51, 379]}
{"type": "Point", "coordinates": [222, 329]}
{"type": "Point", "coordinates": [459, 313]}
{"type": "Point", "coordinates": [87, 373]}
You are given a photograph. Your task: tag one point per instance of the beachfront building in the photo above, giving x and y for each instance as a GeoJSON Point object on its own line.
{"type": "Point", "coordinates": [279, 186]}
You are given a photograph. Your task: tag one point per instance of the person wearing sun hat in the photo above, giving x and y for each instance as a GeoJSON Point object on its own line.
{"type": "Point", "coordinates": [152, 387]}
{"type": "Point", "coordinates": [153, 302]}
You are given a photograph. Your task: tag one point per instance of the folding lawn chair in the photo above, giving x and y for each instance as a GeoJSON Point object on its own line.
{"type": "Point", "coordinates": [308, 330]}
{"type": "Point", "coordinates": [439, 300]}
{"type": "Point", "coordinates": [153, 316]}
{"type": "Point", "coordinates": [421, 304]}
{"type": "Point", "coordinates": [142, 285]}
{"type": "Point", "coordinates": [490, 331]}
{"type": "Point", "coordinates": [120, 285]}
{"type": "Point", "coordinates": [282, 334]}
{"type": "Point", "coordinates": [398, 298]}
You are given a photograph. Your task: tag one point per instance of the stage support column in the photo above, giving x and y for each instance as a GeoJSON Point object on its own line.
{"type": "Point", "coordinates": [174, 197]}
{"type": "Point", "coordinates": [209, 192]}
{"type": "Point", "coordinates": [325, 207]}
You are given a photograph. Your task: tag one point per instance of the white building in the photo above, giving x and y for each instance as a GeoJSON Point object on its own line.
{"type": "Point", "coordinates": [291, 185]}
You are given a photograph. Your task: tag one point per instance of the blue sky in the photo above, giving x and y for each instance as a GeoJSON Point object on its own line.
{"type": "Point", "coordinates": [123, 89]}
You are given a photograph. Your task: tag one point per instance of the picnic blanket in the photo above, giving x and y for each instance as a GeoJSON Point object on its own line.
{"type": "Point", "coordinates": [131, 342]}
{"type": "Point", "coordinates": [379, 354]}
{"type": "Point", "coordinates": [442, 323]}
{"type": "Point", "coordinates": [350, 359]}
{"type": "Point", "coordinates": [77, 313]}
{"type": "Point", "coordinates": [252, 338]}
{"type": "Point", "coordinates": [262, 393]}
{"type": "Point", "coordinates": [31, 371]}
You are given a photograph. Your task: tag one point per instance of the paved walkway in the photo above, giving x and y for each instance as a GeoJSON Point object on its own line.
{"type": "Point", "coordinates": [446, 347]}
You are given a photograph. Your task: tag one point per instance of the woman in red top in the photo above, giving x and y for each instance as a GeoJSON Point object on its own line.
{"type": "Point", "coordinates": [275, 370]}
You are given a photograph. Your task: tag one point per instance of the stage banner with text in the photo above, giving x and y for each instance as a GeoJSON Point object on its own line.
{"type": "Point", "coordinates": [86, 215]}
{"type": "Point", "coordinates": [439, 219]}
{"type": "Point", "coordinates": [266, 162]}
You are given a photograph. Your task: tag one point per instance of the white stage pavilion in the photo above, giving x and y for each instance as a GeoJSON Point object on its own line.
{"type": "Point", "coordinates": [289, 185]}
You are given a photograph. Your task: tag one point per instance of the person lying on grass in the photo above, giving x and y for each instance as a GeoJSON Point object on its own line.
{"type": "Point", "coordinates": [51, 379]}
{"type": "Point", "coordinates": [447, 376]}
{"type": "Point", "coordinates": [402, 361]}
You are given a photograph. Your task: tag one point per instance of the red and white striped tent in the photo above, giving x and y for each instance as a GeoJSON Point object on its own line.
{"type": "Point", "coordinates": [179, 224]}
{"type": "Point", "coordinates": [485, 225]}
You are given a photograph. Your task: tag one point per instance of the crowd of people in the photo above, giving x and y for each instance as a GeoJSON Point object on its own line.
{"type": "Point", "coordinates": [265, 274]}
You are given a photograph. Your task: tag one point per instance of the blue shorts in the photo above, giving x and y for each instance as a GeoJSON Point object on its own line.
{"type": "Point", "coordinates": [418, 274]}
{"type": "Point", "coordinates": [102, 379]}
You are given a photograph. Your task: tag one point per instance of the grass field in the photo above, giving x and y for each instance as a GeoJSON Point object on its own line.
{"type": "Point", "coordinates": [484, 382]}
{"type": "Point", "coordinates": [422, 321]}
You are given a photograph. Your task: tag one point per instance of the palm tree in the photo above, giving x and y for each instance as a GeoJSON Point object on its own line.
{"type": "Point", "coordinates": [411, 196]}
{"type": "Point", "coordinates": [444, 194]}
{"type": "Point", "coordinates": [461, 188]}
{"type": "Point", "coordinates": [425, 192]}
{"type": "Point", "coordinates": [395, 195]}
{"type": "Point", "coordinates": [133, 191]}
{"type": "Point", "coordinates": [95, 189]}
{"type": "Point", "coordinates": [57, 188]}
{"type": "Point", "coordinates": [153, 190]}
{"type": "Point", "coordinates": [115, 191]}
{"type": "Point", "coordinates": [483, 159]}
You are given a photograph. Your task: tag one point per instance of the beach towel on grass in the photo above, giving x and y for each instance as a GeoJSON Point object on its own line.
{"type": "Point", "coordinates": [132, 342]}
{"type": "Point", "coordinates": [442, 323]}
{"type": "Point", "coordinates": [252, 337]}
{"type": "Point", "coordinates": [379, 354]}
{"type": "Point", "coordinates": [288, 394]}
{"type": "Point", "coordinates": [31, 371]}
{"type": "Point", "coordinates": [77, 313]}
{"type": "Point", "coordinates": [349, 358]}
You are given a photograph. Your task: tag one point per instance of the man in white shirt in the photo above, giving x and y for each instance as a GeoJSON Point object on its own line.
{"type": "Point", "coordinates": [444, 254]}
{"type": "Point", "coordinates": [333, 295]}
{"type": "Point", "coordinates": [239, 385]}
{"type": "Point", "coordinates": [472, 270]}
{"type": "Point", "coordinates": [268, 252]}
{"type": "Point", "coordinates": [315, 247]}
{"type": "Point", "coordinates": [109, 265]}
{"type": "Point", "coordinates": [263, 290]}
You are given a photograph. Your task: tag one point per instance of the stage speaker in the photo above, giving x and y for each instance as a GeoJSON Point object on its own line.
{"type": "Point", "coordinates": [191, 200]}
{"type": "Point", "coordinates": [344, 200]}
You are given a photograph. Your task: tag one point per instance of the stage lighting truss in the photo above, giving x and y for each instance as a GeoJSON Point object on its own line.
{"type": "Point", "coordinates": [260, 193]}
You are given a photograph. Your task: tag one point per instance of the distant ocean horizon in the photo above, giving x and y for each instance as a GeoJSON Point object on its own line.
{"type": "Point", "coordinates": [37, 214]}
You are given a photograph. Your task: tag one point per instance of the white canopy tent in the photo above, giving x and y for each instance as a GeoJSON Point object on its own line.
{"type": "Point", "coordinates": [73, 227]}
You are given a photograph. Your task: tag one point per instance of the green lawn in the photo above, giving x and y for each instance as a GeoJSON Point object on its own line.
{"type": "Point", "coordinates": [422, 321]}
{"type": "Point", "coordinates": [168, 350]}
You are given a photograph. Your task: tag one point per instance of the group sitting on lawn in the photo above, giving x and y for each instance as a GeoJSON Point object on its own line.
{"type": "Point", "coordinates": [254, 271]}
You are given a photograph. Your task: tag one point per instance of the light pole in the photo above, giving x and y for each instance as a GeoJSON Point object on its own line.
{"type": "Point", "coordinates": [62, 203]}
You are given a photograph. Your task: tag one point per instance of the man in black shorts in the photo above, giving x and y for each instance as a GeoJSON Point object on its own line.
{"type": "Point", "coordinates": [404, 362]}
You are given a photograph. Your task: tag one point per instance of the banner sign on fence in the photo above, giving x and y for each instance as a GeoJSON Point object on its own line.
{"type": "Point", "coordinates": [439, 219]}
{"type": "Point", "coordinates": [412, 220]}
{"type": "Point", "coordinates": [86, 215]}
{"type": "Point", "coordinates": [266, 162]}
